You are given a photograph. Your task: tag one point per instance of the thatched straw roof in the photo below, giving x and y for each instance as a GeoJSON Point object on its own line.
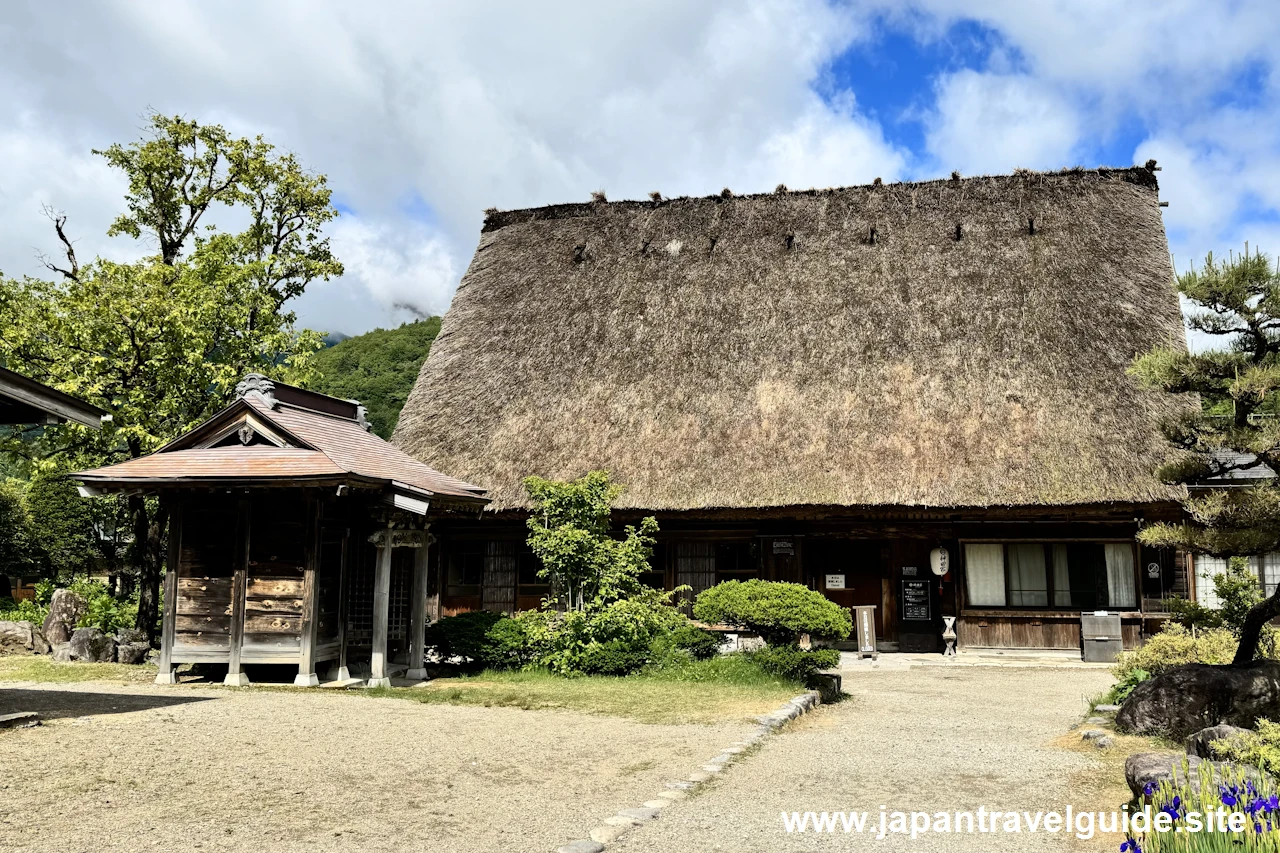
{"type": "Point", "coordinates": [953, 343]}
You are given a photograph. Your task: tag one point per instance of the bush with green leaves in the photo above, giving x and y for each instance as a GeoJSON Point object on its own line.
{"type": "Point", "coordinates": [1174, 646]}
{"type": "Point", "coordinates": [700, 643]}
{"type": "Point", "coordinates": [1121, 689]}
{"type": "Point", "coordinates": [794, 663]}
{"type": "Point", "coordinates": [1193, 614]}
{"type": "Point", "coordinates": [1260, 747]}
{"type": "Point", "coordinates": [481, 639]}
{"type": "Point", "coordinates": [102, 609]}
{"type": "Point", "coordinates": [779, 612]}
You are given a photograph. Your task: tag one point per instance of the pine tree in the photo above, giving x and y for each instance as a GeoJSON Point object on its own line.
{"type": "Point", "coordinates": [1237, 424]}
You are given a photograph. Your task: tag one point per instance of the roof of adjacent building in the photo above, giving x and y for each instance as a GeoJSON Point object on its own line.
{"type": "Point", "coordinates": [278, 434]}
{"type": "Point", "coordinates": [953, 343]}
{"type": "Point", "coordinates": [26, 401]}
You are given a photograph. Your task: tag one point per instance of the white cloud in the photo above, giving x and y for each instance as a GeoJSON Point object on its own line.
{"type": "Point", "coordinates": [994, 123]}
{"type": "Point", "coordinates": [465, 106]}
{"type": "Point", "coordinates": [507, 104]}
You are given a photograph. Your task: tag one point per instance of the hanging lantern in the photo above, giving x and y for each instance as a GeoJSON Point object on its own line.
{"type": "Point", "coordinates": [939, 561]}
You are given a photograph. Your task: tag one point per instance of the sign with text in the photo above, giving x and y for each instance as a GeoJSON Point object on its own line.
{"type": "Point", "coordinates": [783, 546]}
{"type": "Point", "coordinates": [835, 582]}
{"type": "Point", "coordinates": [917, 600]}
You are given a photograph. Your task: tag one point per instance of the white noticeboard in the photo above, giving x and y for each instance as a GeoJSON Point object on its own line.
{"type": "Point", "coordinates": [835, 582]}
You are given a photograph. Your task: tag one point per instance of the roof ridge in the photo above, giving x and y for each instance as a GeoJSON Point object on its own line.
{"type": "Point", "coordinates": [495, 219]}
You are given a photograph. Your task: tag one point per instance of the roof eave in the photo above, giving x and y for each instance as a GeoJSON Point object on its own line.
{"type": "Point", "coordinates": [57, 403]}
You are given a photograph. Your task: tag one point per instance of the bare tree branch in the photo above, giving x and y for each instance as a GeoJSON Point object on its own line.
{"type": "Point", "coordinates": [59, 220]}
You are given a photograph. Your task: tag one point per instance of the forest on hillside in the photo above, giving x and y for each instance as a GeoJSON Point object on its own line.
{"type": "Point", "coordinates": [377, 368]}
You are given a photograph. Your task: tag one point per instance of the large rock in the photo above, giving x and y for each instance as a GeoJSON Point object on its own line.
{"type": "Point", "coordinates": [130, 635]}
{"type": "Point", "coordinates": [21, 638]}
{"type": "Point", "coordinates": [1151, 768]}
{"type": "Point", "coordinates": [62, 653]}
{"type": "Point", "coordinates": [132, 652]}
{"type": "Point", "coordinates": [1195, 696]}
{"type": "Point", "coordinates": [90, 644]}
{"type": "Point", "coordinates": [65, 610]}
{"type": "Point", "coordinates": [1199, 743]}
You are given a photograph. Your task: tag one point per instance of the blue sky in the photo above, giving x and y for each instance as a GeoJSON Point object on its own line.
{"type": "Point", "coordinates": [423, 114]}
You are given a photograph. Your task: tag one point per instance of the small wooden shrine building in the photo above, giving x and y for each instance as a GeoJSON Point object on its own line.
{"type": "Point", "coordinates": [296, 536]}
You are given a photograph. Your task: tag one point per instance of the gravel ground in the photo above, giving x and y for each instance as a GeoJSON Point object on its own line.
{"type": "Point", "coordinates": [923, 739]}
{"type": "Point", "coordinates": [142, 768]}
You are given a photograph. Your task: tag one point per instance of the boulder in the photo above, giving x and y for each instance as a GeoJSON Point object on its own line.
{"type": "Point", "coordinates": [65, 610]}
{"type": "Point", "coordinates": [91, 644]}
{"type": "Point", "coordinates": [1194, 696]}
{"type": "Point", "coordinates": [1152, 768]}
{"type": "Point", "coordinates": [1198, 743]}
{"type": "Point", "coordinates": [130, 635]}
{"type": "Point", "coordinates": [62, 653]}
{"type": "Point", "coordinates": [21, 638]}
{"type": "Point", "coordinates": [132, 653]}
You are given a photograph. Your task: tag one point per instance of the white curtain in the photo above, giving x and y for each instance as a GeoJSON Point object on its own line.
{"type": "Point", "coordinates": [1028, 585]}
{"type": "Point", "coordinates": [1205, 568]}
{"type": "Point", "coordinates": [984, 574]}
{"type": "Point", "coordinates": [1120, 586]}
{"type": "Point", "coordinates": [1267, 568]}
{"type": "Point", "coordinates": [1061, 577]}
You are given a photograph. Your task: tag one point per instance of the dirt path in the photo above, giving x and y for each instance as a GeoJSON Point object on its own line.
{"type": "Point", "coordinates": [176, 769]}
{"type": "Point", "coordinates": [923, 739]}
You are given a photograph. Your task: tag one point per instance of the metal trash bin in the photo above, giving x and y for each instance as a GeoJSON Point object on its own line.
{"type": "Point", "coordinates": [1100, 634]}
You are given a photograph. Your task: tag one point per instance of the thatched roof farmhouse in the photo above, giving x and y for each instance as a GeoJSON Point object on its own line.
{"type": "Point", "coordinates": [948, 355]}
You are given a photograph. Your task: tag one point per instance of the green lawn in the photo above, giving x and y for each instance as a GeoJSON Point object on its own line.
{"type": "Point", "coordinates": [709, 692]}
{"type": "Point", "coordinates": [42, 668]}
{"type": "Point", "coordinates": [715, 691]}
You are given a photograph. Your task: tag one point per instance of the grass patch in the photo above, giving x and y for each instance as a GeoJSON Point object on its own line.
{"type": "Point", "coordinates": [43, 669]}
{"type": "Point", "coordinates": [725, 689]}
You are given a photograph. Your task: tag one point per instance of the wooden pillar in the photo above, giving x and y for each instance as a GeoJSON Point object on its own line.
{"type": "Point", "coordinates": [166, 675]}
{"type": "Point", "coordinates": [239, 578]}
{"type": "Point", "coordinates": [341, 672]}
{"type": "Point", "coordinates": [381, 611]}
{"type": "Point", "coordinates": [418, 609]}
{"type": "Point", "coordinates": [435, 583]}
{"type": "Point", "coordinates": [306, 676]}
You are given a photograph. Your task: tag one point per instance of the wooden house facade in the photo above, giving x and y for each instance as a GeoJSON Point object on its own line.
{"type": "Point", "coordinates": [296, 536]}
{"type": "Point", "coordinates": [827, 387]}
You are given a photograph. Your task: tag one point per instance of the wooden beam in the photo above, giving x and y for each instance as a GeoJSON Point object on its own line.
{"type": "Point", "coordinates": [381, 613]}
{"type": "Point", "coordinates": [306, 676]}
{"type": "Point", "coordinates": [418, 610]}
{"type": "Point", "coordinates": [166, 675]}
{"type": "Point", "coordinates": [235, 677]}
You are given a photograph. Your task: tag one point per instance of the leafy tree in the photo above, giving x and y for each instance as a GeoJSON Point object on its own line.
{"type": "Point", "coordinates": [62, 527]}
{"type": "Point", "coordinates": [569, 531]}
{"type": "Point", "coordinates": [377, 368]}
{"type": "Point", "coordinates": [15, 534]}
{"type": "Point", "coordinates": [160, 343]}
{"type": "Point", "coordinates": [1238, 301]}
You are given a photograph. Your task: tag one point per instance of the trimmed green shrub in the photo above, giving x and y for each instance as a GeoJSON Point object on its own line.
{"type": "Point", "coordinates": [700, 643]}
{"type": "Point", "coordinates": [794, 663]}
{"type": "Point", "coordinates": [778, 612]}
{"type": "Point", "coordinates": [613, 657]}
{"type": "Point", "coordinates": [1174, 646]}
{"type": "Point", "coordinates": [466, 636]}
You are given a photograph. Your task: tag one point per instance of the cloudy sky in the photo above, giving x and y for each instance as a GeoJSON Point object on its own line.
{"type": "Point", "coordinates": [423, 114]}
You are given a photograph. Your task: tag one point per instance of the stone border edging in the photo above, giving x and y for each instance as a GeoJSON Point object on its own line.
{"type": "Point", "coordinates": [618, 825]}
